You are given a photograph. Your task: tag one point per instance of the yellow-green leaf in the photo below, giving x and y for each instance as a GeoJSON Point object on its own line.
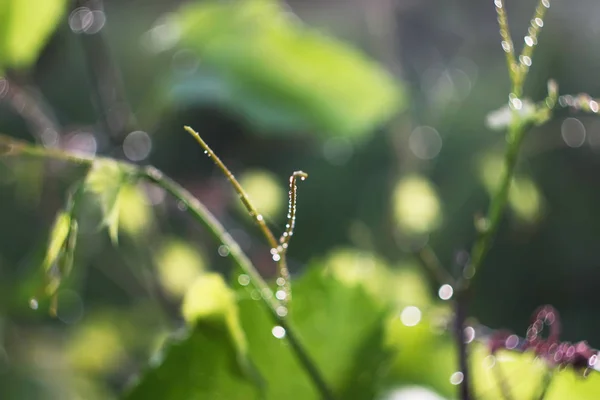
{"type": "Point", "coordinates": [210, 298]}
{"type": "Point", "coordinates": [281, 74]}
{"type": "Point", "coordinates": [58, 238]}
{"type": "Point", "coordinates": [25, 27]}
{"type": "Point", "coordinates": [106, 181]}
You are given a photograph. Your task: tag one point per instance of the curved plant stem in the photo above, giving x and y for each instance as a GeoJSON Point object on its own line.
{"type": "Point", "coordinates": [197, 210]}
{"type": "Point", "coordinates": [278, 248]}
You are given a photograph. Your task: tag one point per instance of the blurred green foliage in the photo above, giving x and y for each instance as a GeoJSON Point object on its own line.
{"type": "Point", "coordinates": [283, 76]}
{"type": "Point", "coordinates": [25, 27]}
{"type": "Point", "coordinates": [367, 315]}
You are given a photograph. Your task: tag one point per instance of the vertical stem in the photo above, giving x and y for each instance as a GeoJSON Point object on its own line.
{"type": "Point", "coordinates": [463, 359]}
{"type": "Point", "coordinates": [497, 205]}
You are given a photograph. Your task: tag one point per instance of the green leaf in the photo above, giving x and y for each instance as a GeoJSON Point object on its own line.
{"type": "Point", "coordinates": [106, 181]}
{"type": "Point", "coordinates": [341, 327]}
{"type": "Point", "coordinates": [69, 248]}
{"type": "Point", "coordinates": [58, 238]}
{"type": "Point", "coordinates": [25, 27]}
{"type": "Point", "coordinates": [210, 362]}
{"type": "Point", "coordinates": [282, 75]}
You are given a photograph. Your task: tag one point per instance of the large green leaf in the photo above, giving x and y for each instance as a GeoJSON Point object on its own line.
{"type": "Point", "coordinates": [339, 324]}
{"type": "Point", "coordinates": [282, 75]}
{"type": "Point", "coordinates": [210, 362]}
{"type": "Point", "coordinates": [24, 29]}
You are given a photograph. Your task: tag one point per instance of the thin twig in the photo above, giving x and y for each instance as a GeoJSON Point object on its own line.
{"type": "Point", "coordinates": [278, 248]}
{"type": "Point", "coordinates": [516, 133]}
{"type": "Point", "coordinates": [507, 42]}
{"type": "Point", "coordinates": [286, 236]}
{"type": "Point", "coordinates": [460, 316]}
{"type": "Point", "coordinates": [11, 147]}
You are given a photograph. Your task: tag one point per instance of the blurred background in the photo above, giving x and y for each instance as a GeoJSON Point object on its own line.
{"type": "Point", "coordinates": [384, 104]}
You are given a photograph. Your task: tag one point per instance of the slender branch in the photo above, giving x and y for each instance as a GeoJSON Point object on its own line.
{"type": "Point", "coordinates": [531, 40]}
{"type": "Point", "coordinates": [507, 42]}
{"type": "Point", "coordinates": [256, 216]}
{"type": "Point", "coordinates": [11, 147]}
{"type": "Point", "coordinates": [284, 240]}
{"type": "Point", "coordinates": [460, 316]}
{"type": "Point", "coordinates": [497, 205]}
{"type": "Point", "coordinates": [278, 248]}
{"type": "Point", "coordinates": [516, 132]}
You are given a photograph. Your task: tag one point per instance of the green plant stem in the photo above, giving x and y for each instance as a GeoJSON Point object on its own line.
{"type": "Point", "coordinates": [497, 205]}
{"type": "Point", "coordinates": [12, 147]}
{"type": "Point", "coordinates": [278, 252]}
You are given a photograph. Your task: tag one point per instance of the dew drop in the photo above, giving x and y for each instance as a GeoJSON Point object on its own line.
{"type": "Point", "coordinates": [259, 217]}
{"type": "Point", "coordinates": [223, 250]}
{"type": "Point", "coordinates": [266, 293]}
{"type": "Point", "coordinates": [469, 334]}
{"type": "Point", "coordinates": [457, 378]}
{"type": "Point", "coordinates": [529, 41]}
{"type": "Point", "coordinates": [276, 257]}
{"type": "Point", "coordinates": [516, 103]}
{"type": "Point", "coordinates": [539, 22]}
{"type": "Point", "coordinates": [593, 106]}
{"type": "Point", "coordinates": [498, 3]}
{"type": "Point", "coordinates": [181, 205]}
{"type": "Point", "coordinates": [525, 60]}
{"type": "Point", "coordinates": [282, 311]}
{"type": "Point", "coordinates": [506, 46]}
{"type": "Point", "coordinates": [446, 291]}
{"type": "Point", "coordinates": [546, 3]}
{"type": "Point", "coordinates": [410, 316]}
{"type": "Point", "coordinates": [255, 294]}
{"type": "Point", "coordinates": [243, 280]}
{"type": "Point", "coordinates": [280, 281]}
{"type": "Point", "coordinates": [33, 304]}
{"type": "Point", "coordinates": [278, 332]}
{"type": "Point", "coordinates": [281, 294]}
{"type": "Point", "coordinates": [573, 132]}
{"type": "Point", "coordinates": [205, 151]}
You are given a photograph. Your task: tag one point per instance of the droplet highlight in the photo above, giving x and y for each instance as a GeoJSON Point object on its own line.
{"type": "Point", "coordinates": [278, 332]}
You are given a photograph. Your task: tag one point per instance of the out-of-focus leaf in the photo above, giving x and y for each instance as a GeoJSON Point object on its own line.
{"type": "Point", "coordinates": [266, 194]}
{"type": "Point", "coordinates": [178, 265]}
{"type": "Point", "coordinates": [525, 198]}
{"type": "Point", "coordinates": [211, 361]}
{"type": "Point", "coordinates": [340, 326]}
{"type": "Point", "coordinates": [69, 248]}
{"type": "Point", "coordinates": [416, 205]}
{"type": "Point", "coordinates": [135, 211]}
{"type": "Point", "coordinates": [282, 75]}
{"type": "Point", "coordinates": [523, 374]}
{"type": "Point", "coordinates": [58, 238]}
{"type": "Point", "coordinates": [106, 181]}
{"type": "Point", "coordinates": [24, 29]}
